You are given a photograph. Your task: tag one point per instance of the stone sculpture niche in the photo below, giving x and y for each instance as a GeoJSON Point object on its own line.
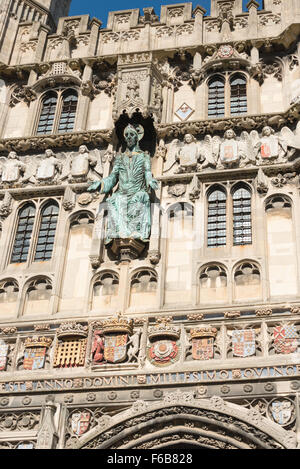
{"type": "Point", "coordinates": [129, 214]}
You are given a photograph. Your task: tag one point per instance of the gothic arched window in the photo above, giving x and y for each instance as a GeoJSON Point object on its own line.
{"type": "Point", "coordinates": [68, 111]}
{"type": "Point", "coordinates": [105, 291]}
{"type": "Point", "coordinates": [247, 281]}
{"type": "Point", "coordinates": [216, 222]}
{"type": "Point", "coordinates": [143, 288]}
{"type": "Point", "coordinates": [46, 236]}
{"type": "Point", "coordinates": [58, 112]}
{"type": "Point", "coordinates": [37, 296]}
{"type": "Point", "coordinates": [47, 116]}
{"type": "Point", "coordinates": [213, 284]}
{"type": "Point", "coordinates": [216, 97]}
{"type": "Point", "coordinates": [23, 234]}
{"type": "Point", "coordinates": [242, 223]}
{"type": "Point", "coordinates": [238, 95]}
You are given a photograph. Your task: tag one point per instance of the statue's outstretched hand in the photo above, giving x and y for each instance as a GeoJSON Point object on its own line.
{"type": "Point", "coordinates": [94, 187]}
{"type": "Point", "coordinates": [153, 184]}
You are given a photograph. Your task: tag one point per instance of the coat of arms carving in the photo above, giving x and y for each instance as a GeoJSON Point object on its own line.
{"type": "Point", "coordinates": [285, 339]}
{"type": "Point", "coordinates": [164, 347]}
{"type": "Point", "coordinates": [282, 411]}
{"type": "Point", "coordinates": [4, 349]}
{"type": "Point", "coordinates": [35, 352]}
{"type": "Point", "coordinates": [80, 422]}
{"type": "Point", "coordinates": [203, 343]}
{"type": "Point", "coordinates": [243, 343]}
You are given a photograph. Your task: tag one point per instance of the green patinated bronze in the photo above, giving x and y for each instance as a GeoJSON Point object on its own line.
{"type": "Point", "coordinates": [129, 211]}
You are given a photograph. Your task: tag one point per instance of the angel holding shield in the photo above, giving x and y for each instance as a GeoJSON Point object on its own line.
{"type": "Point", "coordinates": [82, 165]}
{"type": "Point", "coordinates": [11, 168]}
{"type": "Point", "coordinates": [129, 215]}
{"type": "Point", "coordinates": [271, 147]}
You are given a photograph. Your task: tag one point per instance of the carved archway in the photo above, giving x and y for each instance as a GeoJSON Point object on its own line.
{"type": "Point", "coordinates": [181, 421]}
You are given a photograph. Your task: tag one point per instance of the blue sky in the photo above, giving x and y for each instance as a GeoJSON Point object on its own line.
{"type": "Point", "coordinates": [100, 9]}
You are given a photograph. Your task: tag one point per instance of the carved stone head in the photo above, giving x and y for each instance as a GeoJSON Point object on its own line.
{"type": "Point", "coordinates": [189, 138]}
{"type": "Point", "coordinates": [267, 131]}
{"type": "Point", "coordinates": [230, 134]}
{"type": "Point", "coordinates": [83, 149]}
{"type": "Point", "coordinates": [49, 153]}
{"type": "Point", "coordinates": [12, 155]}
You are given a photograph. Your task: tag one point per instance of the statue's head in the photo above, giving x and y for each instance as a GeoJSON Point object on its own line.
{"type": "Point", "coordinates": [189, 138]}
{"type": "Point", "coordinates": [230, 134]}
{"type": "Point", "coordinates": [83, 149]}
{"type": "Point", "coordinates": [12, 155]}
{"type": "Point", "coordinates": [49, 153]}
{"type": "Point", "coordinates": [133, 135]}
{"type": "Point", "coordinates": [267, 131]}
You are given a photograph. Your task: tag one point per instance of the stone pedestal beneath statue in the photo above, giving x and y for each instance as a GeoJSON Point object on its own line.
{"type": "Point", "coordinates": [127, 249]}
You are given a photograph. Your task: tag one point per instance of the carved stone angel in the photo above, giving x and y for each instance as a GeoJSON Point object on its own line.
{"type": "Point", "coordinates": [83, 166]}
{"type": "Point", "coordinates": [291, 139]}
{"type": "Point", "coordinates": [210, 151]}
{"type": "Point", "coordinates": [11, 169]}
{"type": "Point", "coordinates": [270, 147]}
{"type": "Point", "coordinates": [186, 154]}
{"type": "Point", "coordinates": [235, 153]}
{"type": "Point", "coordinates": [44, 169]}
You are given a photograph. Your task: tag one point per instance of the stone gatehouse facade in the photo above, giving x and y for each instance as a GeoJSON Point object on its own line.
{"type": "Point", "coordinates": [192, 338]}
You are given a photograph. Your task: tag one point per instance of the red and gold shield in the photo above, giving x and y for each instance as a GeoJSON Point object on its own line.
{"type": "Point", "coordinates": [203, 349]}
{"type": "Point", "coordinates": [3, 355]}
{"type": "Point", "coordinates": [285, 339]}
{"type": "Point", "coordinates": [34, 358]}
{"type": "Point", "coordinates": [80, 422]}
{"type": "Point", "coordinates": [115, 348]}
{"type": "Point", "coordinates": [266, 150]}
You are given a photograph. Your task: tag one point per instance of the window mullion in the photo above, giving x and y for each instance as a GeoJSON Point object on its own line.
{"type": "Point", "coordinates": [35, 230]}
{"type": "Point", "coordinates": [58, 112]}
{"type": "Point", "coordinates": [227, 96]}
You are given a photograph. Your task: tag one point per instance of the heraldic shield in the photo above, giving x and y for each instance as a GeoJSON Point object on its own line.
{"type": "Point", "coordinates": [80, 422]}
{"type": "Point", "coordinates": [203, 349]}
{"type": "Point", "coordinates": [34, 358]}
{"type": "Point", "coordinates": [243, 343]}
{"type": "Point", "coordinates": [3, 355]}
{"type": "Point", "coordinates": [35, 352]}
{"type": "Point", "coordinates": [282, 411]}
{"type": "Point", "coordinates": [163, 351]}
{"type": "Point", "coordinates": [164, 347]}
{"type": "Point", "coordinates": [285, 339]}
{"type": "Point", "coordinates": [203, 339]}
{"type": "Point", "coordinates": [115, 348]}
{"type": "Point", "coordinates": [116, 333]}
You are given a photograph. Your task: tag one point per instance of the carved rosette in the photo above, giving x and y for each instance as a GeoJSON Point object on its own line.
{"type": "Point", "coordinates": [164, 347]}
